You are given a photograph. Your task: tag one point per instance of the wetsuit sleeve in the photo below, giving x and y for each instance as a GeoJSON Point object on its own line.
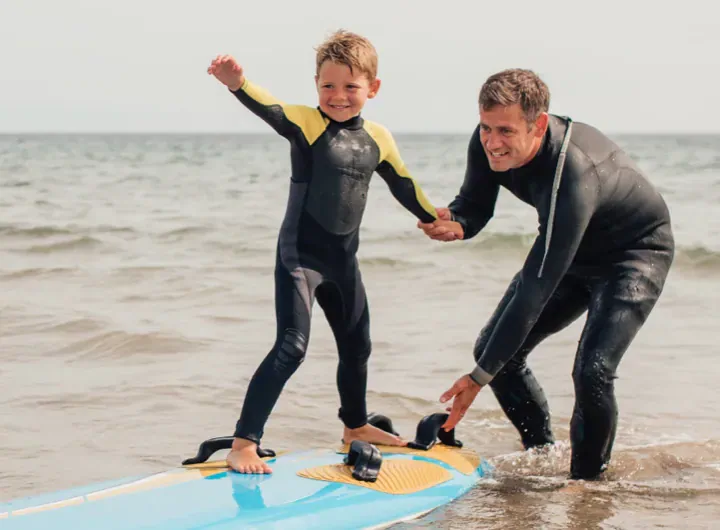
{"type": "Point", "coordinates": [286, 120]}
{"type": "Point", "coordinates": [576, 203]}
{"type": "Point", "coordinates": [393, 171]}
{"type": "Point", "coordinates": [474, 205]}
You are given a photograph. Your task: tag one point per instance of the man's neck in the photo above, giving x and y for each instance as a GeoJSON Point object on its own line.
{"type": "Point", "coordinates": [537, 144]}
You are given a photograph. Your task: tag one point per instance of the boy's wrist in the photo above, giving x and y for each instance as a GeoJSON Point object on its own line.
{"type": "Point", "coordinates": [240, 84]}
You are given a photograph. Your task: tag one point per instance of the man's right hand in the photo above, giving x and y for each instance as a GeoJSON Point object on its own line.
{"type": "Point", "coordinates": [443, 229]}
{"type": "Point", "coordinates": [444, 214]}
{"type": "Point", "coordinates": [227, 70]}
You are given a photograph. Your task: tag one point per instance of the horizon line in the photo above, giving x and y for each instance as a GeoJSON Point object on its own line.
{"type": "Point", "coordinates": [271, 133]}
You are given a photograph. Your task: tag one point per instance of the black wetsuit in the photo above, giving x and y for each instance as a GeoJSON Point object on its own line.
{"type": "Point", "coordinates": [332, 164]}
{"type": "Point", "coordinates": [605, 246]}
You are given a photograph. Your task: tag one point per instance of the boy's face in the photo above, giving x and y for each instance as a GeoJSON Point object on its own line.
{"type": "Point", "coordinates": [342, 92]}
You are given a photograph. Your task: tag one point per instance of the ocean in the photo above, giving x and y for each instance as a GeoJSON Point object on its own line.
{"type": "Point", "coordinates": [136, 281]}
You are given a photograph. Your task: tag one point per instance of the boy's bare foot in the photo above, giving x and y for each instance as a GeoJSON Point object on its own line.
{"type": "Point", "coordinates": [371, 434]}
{"type": "Point", "coordinates": [243, 458]}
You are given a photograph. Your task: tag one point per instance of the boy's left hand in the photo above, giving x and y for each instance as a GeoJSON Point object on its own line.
{"type": "Point", "coordinates": [444, 214]}
{"type": "Point", "coordinates": [442, 229]}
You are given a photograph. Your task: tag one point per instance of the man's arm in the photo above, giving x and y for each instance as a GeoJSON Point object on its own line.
{"type": "Point", "coordinates": [474, 205]}
{"type": "Point", "coordinates": [576, 204]}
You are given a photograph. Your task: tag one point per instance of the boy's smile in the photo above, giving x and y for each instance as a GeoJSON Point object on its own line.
{"type": "Point", "coordinates": [342, 92]}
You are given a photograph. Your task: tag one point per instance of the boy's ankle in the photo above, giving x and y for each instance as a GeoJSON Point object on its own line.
{"type": "Point", "coordinates": [241, 443]}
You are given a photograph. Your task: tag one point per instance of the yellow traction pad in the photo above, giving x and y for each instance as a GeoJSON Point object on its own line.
{"type": "Point", "coordinates": [398, 477]}
{"type": "Point", "coordinates": [466, 461]}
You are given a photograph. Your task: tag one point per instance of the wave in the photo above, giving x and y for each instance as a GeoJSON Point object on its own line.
{"type": "Point", "coordinates": [698, 258]}
{"type": "Point", "coordinates": [387, 262]}
{"type": "Point", "coordinates": [671, 469]}
{"type": "Point", "coordinates": [75, 243]}
{"type": "Point", "coordinates": [47, 238]}
{"type": "Point", "coordinates": [47, 231]}
{"type": "Point", "coordinates": [37, 272]}
{"type": "Point", "coordinates": [178, 234]}
{"type": "Point", "coordinates": [34, 231]}
{"type": "Point", "coordinates": [120, 344]}
{"type": "Point", "coordinates": [15, 183]}
{"type": "Point", "coordinates": [53, 325]}
{"type": "Point", "coordinates": [692, 257]}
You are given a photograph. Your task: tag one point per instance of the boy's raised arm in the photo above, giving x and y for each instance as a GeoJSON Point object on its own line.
{"type": "Point", "coordinates": [281, 117]}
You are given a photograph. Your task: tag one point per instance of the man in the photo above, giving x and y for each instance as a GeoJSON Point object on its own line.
{"type": "Point", "coordinates": [605, 246]}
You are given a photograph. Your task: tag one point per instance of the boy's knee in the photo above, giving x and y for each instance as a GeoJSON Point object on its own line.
{"type": "Point", "coordinates": [291, 351]}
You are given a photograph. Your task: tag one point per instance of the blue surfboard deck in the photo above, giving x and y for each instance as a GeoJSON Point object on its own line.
{"type": "Point", "coordinates": [213, 497]}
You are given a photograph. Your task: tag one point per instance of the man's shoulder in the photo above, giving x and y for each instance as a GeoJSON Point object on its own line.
{"type": "Point", "coordinates": [588, 141]}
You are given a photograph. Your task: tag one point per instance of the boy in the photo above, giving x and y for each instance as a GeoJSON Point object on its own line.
{"type": "Point", "coordinates": [334, 153]}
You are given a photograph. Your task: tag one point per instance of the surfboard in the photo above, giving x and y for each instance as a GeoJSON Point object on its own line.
{"type": "Point", "coordinates": [356, 486]}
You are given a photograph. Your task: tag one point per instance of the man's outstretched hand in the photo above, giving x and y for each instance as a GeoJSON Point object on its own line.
{"type": "Point", "coordinates": [464, 392]}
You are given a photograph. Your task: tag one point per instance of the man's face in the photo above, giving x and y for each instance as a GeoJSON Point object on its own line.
{"type": "Point", "coordinates": [508, 139]}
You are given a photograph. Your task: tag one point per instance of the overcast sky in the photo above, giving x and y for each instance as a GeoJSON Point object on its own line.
{"type": "Point", "coordinates": [134, 65]}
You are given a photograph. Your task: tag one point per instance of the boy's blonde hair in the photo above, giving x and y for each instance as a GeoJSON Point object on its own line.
{"type": "Point", "coordinates": [352, 50]}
